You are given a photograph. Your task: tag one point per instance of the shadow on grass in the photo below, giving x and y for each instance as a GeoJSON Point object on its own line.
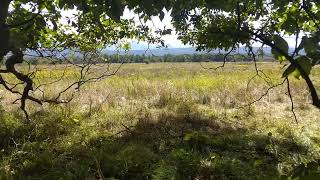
{"type": "Point", "coordinates": [176, 145]}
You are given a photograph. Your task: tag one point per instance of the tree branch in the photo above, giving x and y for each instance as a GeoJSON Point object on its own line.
{"type": "Point", "coordinates": [313, 91]}
{"type": "Point", "coordinates": [291, 100]}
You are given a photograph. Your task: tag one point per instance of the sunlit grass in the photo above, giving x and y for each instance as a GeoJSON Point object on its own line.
{"type": "Point", "coordinates": [159, 109]}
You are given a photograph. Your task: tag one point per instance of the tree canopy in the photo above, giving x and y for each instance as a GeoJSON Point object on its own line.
{"type": "Point", "coordinates": [41, 26]}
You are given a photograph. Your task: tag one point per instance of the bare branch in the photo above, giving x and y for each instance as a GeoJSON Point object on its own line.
{"type": "Point", "coordinates": [263, 95]}
{"type": "Point", "coordinates": [313, 91]}
{"type": "Point", "coordinates": [225, 59]}
{"type": "Point", "coordinates": [291, 100]}
{"type": "Point", "coordinates": [258, 71]}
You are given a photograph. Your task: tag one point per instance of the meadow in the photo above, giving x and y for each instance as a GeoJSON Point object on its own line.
{"type": "Point", "coordinates": [165, 121]}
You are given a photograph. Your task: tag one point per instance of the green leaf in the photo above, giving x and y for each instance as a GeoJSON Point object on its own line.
{"type": "Point", "coordinates": [290, 69]}
{"type": "Point", "coordinates": [278, 56]}
{"type": "Point", "coordinates": [282, 45]}
{"type": "Point", "coordinates": [306, 65]}
{"type": "Point", "coordinates": [311, 46]}
{"type": "Point", "coordinates": [304, 62]}
{"type": "Point", "coordinates": [296, 74]}
{"type": "Point", "coordinates": [126, 46]}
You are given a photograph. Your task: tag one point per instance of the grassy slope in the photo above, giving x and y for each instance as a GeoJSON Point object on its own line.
{"type": "Point", "coordinates": [163, 121]}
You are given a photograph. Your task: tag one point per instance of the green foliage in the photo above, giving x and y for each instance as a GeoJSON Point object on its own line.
{"type": "Point", "coordinates": [304, 62]}
{"type": "Point", "coordinates": [212, 25]}
{"type": "Point", "coordinates": [135, 161]}
{"type": "Point", "coordinates": [312, 47]}
{"type": "Point", "coordinates": [310, 171]}
{"type": "Point", "coordinates": [283, 47]}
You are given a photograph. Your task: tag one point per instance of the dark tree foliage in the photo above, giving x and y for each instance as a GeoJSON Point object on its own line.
{"type": "Point", "coordinates": [131, 58]}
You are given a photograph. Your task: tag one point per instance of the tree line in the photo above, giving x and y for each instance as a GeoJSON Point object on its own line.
{"type": "Point", "coordinates": [137, 58]}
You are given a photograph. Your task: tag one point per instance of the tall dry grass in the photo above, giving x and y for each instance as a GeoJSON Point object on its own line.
{"type": "Point", "coordinates": [156, 102]}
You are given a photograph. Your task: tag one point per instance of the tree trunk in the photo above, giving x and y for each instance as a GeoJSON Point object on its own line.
{"type": "Point", "coordinates": [4, 30]}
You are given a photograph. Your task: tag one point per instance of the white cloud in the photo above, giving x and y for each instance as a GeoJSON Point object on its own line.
{"type": "Point", "coordinates": [155, 23]}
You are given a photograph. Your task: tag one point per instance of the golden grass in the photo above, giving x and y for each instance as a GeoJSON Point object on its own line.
{"type": "Point", "coordinates": [161, 84]}
{"type": "Point", "coordinates": [160, 92]}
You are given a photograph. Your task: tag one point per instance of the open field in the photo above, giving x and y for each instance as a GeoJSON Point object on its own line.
{"type": "Point", "coordinates": [163, 121]}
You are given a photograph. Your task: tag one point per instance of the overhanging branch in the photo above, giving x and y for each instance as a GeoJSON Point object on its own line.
{"type": "Point", "coordinates": [313, 91]}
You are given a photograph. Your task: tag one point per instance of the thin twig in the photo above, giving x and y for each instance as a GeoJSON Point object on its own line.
{"type": "Point", "coordinates": [291, 100]}
{"type": "Point", "coordinates": [263, 95]}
